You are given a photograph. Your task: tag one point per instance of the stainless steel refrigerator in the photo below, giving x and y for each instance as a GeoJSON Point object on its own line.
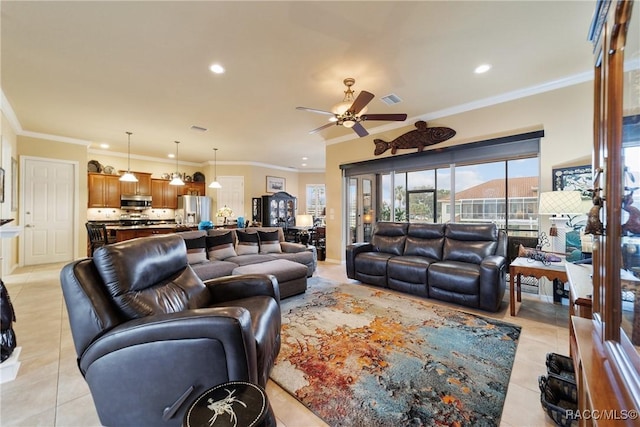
{"type": "Point", "coordinates": [194, 209]}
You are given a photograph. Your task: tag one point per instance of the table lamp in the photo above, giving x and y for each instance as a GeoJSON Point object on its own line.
{"type": "Point", "coordinates": [304, 222]}
{"type": "Point", "coordinates": [560, 203]}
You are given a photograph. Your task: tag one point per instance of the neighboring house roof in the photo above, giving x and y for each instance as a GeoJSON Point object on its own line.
{"type": "Point", "coordinates": [495, 189]}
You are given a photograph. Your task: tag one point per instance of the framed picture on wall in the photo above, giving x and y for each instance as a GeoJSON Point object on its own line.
{"type": "Point", "coordinates": [577, 178]}
{"type": "Point", "coordinates": [275, 184]}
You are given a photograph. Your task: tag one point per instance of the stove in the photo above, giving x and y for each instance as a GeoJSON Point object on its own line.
{"type": "Point", "coordinates": [134, 219]}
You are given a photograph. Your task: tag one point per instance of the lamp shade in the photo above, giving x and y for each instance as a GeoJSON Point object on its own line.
{"type": "Point", "coordinates": [561, 202]}
{"type": "Point", "coordinates": [304, 220]}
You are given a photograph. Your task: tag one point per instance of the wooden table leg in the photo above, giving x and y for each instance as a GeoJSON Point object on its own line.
{"type": "Point", "coordinates": [512, 296]}
{"type": "Point", "coordinates": [519, 278]}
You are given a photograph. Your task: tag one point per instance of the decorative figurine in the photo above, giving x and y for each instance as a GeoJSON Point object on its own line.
{"type": "Point", "coordinates": [594, 225]}
{"type": "Point", "coordinates": [633, 223]}
{"type": "Point", "coordinates": [418, 138]}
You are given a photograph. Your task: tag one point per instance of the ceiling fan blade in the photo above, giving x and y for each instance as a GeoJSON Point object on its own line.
{"type": "Point", "coordinates": [360, 130]}
{"type": "Point", "coordinates": [361, 101]}
{"type": "Point", "coordinates": [391, 117]}
{"type": "Point", "coordinates": [313, 110]}
{"type": "Point", "coordinates": [322, 127]}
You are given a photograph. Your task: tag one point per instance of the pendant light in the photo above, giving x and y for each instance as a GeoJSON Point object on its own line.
{"type": "Point", "coordinates": [176, 176]}
{"type": "Point", "coordinates": [128, 176]}
{"type": "Point", "coordinates": [215, 183]}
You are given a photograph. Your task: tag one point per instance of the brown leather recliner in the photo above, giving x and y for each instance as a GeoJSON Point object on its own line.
{"type": "Point", "coordinates": [151, 336]}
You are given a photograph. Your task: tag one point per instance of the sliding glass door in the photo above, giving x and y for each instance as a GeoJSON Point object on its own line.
{"type": "Point", "coordinates": [360, 208]}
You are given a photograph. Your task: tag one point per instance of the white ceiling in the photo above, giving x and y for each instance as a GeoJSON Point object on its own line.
{"type": "Point", "coordinates": [93, 70]}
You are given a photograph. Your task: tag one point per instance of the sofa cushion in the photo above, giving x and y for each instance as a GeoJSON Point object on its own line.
{"type": "Point", "coordinates": [425, 240]}
{"type": "Point", "coordinates": [470, 242]}
{"type": "Point", "coordinates": [220, 247]}
{"type": "Point", "coordinates": [251, 259]}
{"type": "Point", "coordinates": [389, 237]}
{"type": "Point", "coordinates": [196, 250]}
{"type": "Point", "coordinates": [269, 242]}
{"type": "Point", "coordinates": [213, 269]}
{"type": "Point", "coordinates": [248, 243]}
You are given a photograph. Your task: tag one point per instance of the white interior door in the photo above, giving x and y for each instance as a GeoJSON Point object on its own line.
{"type": "Point", "coordinates": [47, 213]}
{"type": "Point", "coordinates": [232, 195]}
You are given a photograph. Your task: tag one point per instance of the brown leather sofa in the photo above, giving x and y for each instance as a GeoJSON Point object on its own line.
{"type": "Point", "coordinates": [455, 262]}
{"type": "Point", "coordinates": [150, 336]}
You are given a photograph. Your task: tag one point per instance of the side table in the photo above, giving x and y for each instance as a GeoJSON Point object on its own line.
{"type": "Point", "coordinates": [231, 404]}
{"type": "Point", "coordinates": [529, 267]}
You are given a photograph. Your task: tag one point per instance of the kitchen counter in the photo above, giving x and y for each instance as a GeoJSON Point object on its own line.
{"type": "Point", "coordinates": [128, 232]}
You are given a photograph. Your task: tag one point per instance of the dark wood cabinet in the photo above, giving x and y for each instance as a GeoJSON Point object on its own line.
{"type": "Point", "coordinates": [104, 190]}
{"type": "Point", "coordinates": [143, 186]}
{"type": "Point", "coordinates": [279, 210]}
{"type": "Point", "coordinates": [163, 195]}
{"type": "Point", "coordinates": [605, 352]}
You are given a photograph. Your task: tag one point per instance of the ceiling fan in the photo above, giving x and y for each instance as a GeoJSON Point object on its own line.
{"type": "Point", "coordinates": [350, 113]}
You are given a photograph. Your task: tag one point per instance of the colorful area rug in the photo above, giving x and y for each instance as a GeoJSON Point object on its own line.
{"type": "Point", "coordinates": [362, 356]}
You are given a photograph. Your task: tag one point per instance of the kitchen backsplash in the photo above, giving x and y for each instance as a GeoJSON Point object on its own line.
{"type": "Point", "coordinates": [113, 214]}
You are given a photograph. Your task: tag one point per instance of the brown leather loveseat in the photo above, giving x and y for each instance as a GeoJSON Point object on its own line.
{"type": "Point", "coordinates": [455, 262]}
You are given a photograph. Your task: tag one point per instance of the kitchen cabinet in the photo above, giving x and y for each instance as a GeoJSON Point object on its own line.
{"type": "Point", "coordinates": [163, 195]}
{"type": "Point", "coordinates": [279, 210]}
{"type": "Point", "coordinates": [143, 186]}
{"type": "Point", "coordinates": [104, 190]}
{"type": "Point", "coordinates": [192, 189]}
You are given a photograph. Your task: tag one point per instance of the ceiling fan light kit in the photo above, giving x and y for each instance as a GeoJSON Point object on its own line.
{"type": "Point", "coordinates": [351, 112]}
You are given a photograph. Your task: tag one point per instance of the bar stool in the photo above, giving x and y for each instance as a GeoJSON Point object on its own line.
{"type": "Point", "coordinates": [97, 235]}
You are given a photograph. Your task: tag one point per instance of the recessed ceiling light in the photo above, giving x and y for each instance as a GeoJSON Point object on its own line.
{"type": "Point", "coordinates": [217, 69]}
{"type": "Point", "coordinates": [304, 164]}
{"type": "Point", "coordinates": [482, 68]}
{"type": "Point", "coordinates": [105, 146]}
{"type": "Point", "coordinates": [171, 156]}
{"type": "Point", "coordinates": [305, 158]}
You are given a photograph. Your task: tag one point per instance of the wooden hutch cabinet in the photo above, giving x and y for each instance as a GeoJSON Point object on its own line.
{"type": "Point", "coordinates": [605, 347]}
{"type": "Point", "coordinates": [279, 210]}
{"type": "Point", "coordinates": [104, 190]}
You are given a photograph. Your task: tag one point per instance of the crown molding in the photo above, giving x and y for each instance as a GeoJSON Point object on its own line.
{"type": "Point", "coordinates": [481, 103]}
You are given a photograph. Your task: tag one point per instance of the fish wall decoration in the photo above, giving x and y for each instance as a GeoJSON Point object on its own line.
{"type": "Point", "coordinates": [419, 138]}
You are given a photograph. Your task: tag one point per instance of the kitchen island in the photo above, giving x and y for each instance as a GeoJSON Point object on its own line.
{"type": "Point", "coordinates": [121, 233]}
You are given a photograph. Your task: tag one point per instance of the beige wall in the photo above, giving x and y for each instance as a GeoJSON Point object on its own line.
{"type": "Point", "coordinates": [565, 115]}
{"type": "Point", "coordinates": [9, 246]}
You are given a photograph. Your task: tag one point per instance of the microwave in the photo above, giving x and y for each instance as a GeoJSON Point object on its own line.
{"type": "Point", "coordinates": [135, 202]}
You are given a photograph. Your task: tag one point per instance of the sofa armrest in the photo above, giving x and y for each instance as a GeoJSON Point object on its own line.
{"type": "Point", "coordinates": [229, 327]}
{"type": "Point", "coordinates": [290, 247]}
{"type": "Point", "coordinates": [351, 252]}
{"type": "Point", "coordinates": [229, 288]}
{"type": "Point", "coordinates": [492, 282]}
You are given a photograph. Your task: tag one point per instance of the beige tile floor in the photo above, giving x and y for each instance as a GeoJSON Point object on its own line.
{"type": "Point", "coordinates": [49, 390]}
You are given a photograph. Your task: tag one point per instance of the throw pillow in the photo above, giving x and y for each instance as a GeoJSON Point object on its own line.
{"type": "Point", "coordinates": [247, 243]}
{"type": "Point", "coordinates": [196, 250]}
{"type": "Point", "coordinates": [220, 247]}
{"type": "Point", "coordinates": [269, 242]}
